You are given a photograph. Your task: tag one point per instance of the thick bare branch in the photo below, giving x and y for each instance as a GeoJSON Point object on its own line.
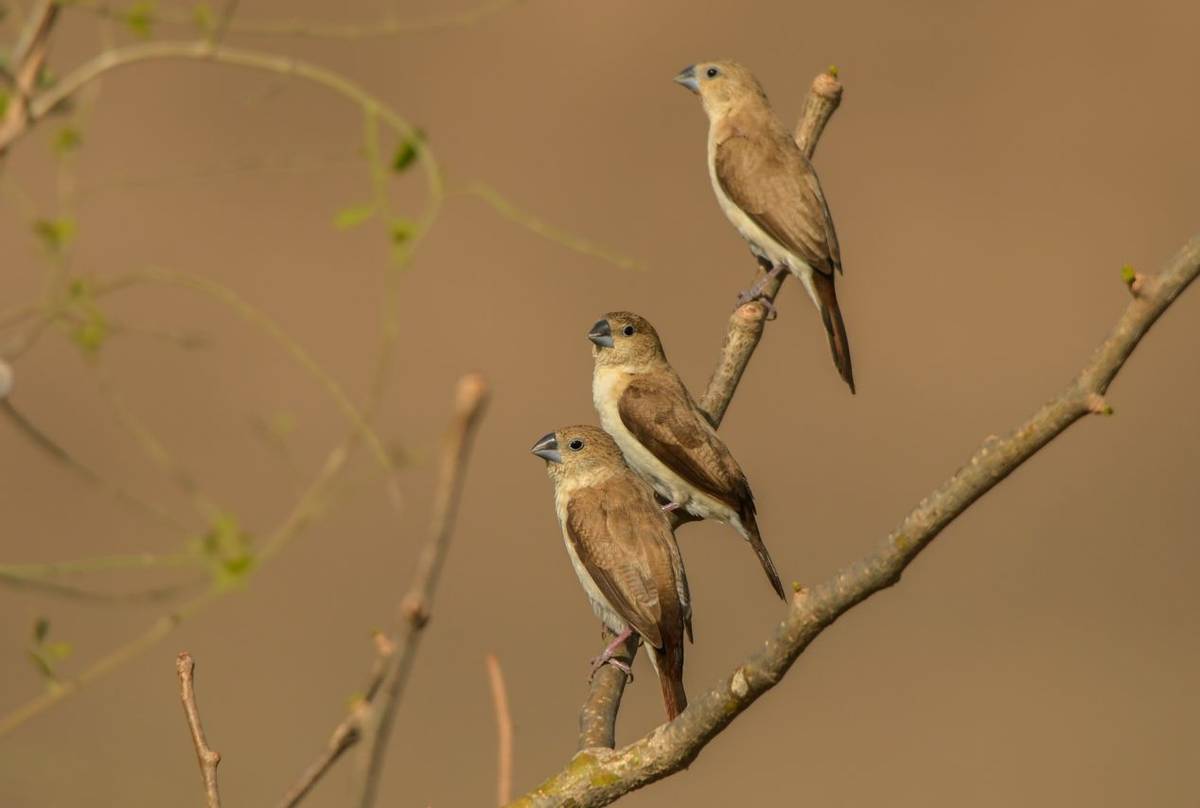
{"type": "Point", "coordinates": [598, 716]}
{"type": "Point", "coordinates": [504, 731]}
{"type": "Point", "coordinates": [597, 777]}
{"type": "Point", "coordinates": [208, 759]}
{"type": "Point", "coordinates": [371, 719]}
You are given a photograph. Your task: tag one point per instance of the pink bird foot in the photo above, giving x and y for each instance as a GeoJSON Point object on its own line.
{"type": "Point", "coordinates": [609, 657]}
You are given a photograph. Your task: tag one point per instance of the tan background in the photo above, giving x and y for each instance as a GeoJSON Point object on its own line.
{"type": "Point", "coordinates": [991, 169]}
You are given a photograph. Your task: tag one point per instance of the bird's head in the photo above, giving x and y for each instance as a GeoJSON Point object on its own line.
{"type": "Point", "coordinates": [623, 339]}
{"type": "Point", "coordinates": [581, 453]}
{"type": "Point", "coordinates": [722, 85]}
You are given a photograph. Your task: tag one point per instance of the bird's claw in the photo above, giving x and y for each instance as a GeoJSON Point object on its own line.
{"type": "Point", "coordinates": [600, 661]}
{"type": "Point", "coordinates": [754, 294]}
{"type": "Point", "coordinates": [670, 506]}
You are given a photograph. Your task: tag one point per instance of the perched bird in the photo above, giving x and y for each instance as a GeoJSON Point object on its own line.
{"type": "Point", "coordinates": [623, 550]}
{"type": "Point", "coordinates": [663, 435]}
{"type": "Point", "coordinates": [769, 191]}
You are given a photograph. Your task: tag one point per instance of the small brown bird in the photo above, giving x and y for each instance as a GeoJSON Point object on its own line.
{"type": "Point", "coordinates": [664, 436]}
{"type": "Point", "coordinates": [769, 191]}
{"type": "Point", "coordinates": [623, 550]}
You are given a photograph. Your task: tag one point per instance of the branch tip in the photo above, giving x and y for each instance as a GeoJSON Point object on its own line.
{"type": "Point", "coordinates": [1133, 279]}
{"type": "Point", "coordinates": [471, 394]}
{"type": "Point", "coordinates": [7, 377]}
{"type": "Point", "coordinates": [415, 610]}
{"type": "Point", "coordinates": [1097, 405]}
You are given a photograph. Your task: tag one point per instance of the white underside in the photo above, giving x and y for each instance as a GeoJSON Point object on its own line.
{"type": "Point", "coordinates": [761, 243]}
{"type": "Point", "coordinates": [607, 386]}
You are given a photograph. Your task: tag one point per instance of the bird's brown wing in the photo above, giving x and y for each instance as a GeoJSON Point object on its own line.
{"type": "Point", "coordinates": [623, 539]}
{"type": "Point", "coordinates": [772, 181]}
{"type": "Point", "coordinates": [659, 412]}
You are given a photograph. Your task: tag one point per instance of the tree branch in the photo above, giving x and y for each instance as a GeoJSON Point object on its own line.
{"type": "Point", "coordinates": [371, 718]}
{"type": "Point", "coordinates": [504, 730]}
{"type": "Point", "coordinates": [597, 775]}
{"type": "Point", "coordinates": [28, 59]}
{"type": "Point", "coordinates": [208, 759]}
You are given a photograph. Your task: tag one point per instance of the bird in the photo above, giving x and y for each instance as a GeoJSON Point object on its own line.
{"type": "Point", "coordinates": [770, 193]}
{"type": "Point", "coordinates": [663, 434]}
{"type": "Point", "coordinates": [623, 549]}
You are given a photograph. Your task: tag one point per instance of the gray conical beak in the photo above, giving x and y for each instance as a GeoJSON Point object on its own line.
{"type": "Point", "coordinates": [601, 334]}
{"type": "Point", "coordinates": [547, 448]}
{"type": "Point", "coordinates": [687, 77]}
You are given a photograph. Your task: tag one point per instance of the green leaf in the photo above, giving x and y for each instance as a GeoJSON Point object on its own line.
{"type": "Point", "coordinates": [66, 140]}
{"type": "Point", "coordinates": [91, 333]}
{"type": "Point", "coordinates": [407, 151]}
{"type": "Point", "coordinates": [1128, 274]}
{"type": "Point", "coordinates": [56, 234]}
{"type": "Point", "coordinates": [58, 651]}
{"type": "Point", "coordinates": [401, 230]}
{"type": "Point", "coordinates": [204, 18]}
{"type": "Point", "coordinates": [140, 19]}
{"type": "Point", "coordinates": [353, 216]}
{"type": "Point", "coordinates": [41, 627]}
{"type": "Point", "coordinates": [229, 548]}
{"type": "Point", "coordinates": [4, 96]}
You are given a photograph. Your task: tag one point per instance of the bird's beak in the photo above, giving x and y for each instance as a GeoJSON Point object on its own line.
{"type": "Point", "coordinates": [601, 334]}
{"type": "Point", "coordinates": [687, 77]}
{"type": "Point", "coordinates": [547, 448]}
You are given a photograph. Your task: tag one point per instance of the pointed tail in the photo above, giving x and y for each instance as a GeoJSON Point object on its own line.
{"type": "Point", "coordinates": [831, 315]}
{"type": "Point", "coordinates": [669, 664]}
{"type": "Point", "coordinates": [750, 531]}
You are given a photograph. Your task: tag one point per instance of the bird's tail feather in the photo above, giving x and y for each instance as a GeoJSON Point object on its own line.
{"type": "Point", "coordinates": [835, 327]}
{"type": "Point", "coordinates": [749, 529]}
{"type": "Point", "coordinates": [668, 661]}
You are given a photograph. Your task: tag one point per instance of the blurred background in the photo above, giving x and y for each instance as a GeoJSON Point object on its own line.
{"type": "Point", "coordinates": [991, 169]}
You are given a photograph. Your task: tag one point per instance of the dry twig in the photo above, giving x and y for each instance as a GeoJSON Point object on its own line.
{"type": "Point", "coordinates": [504, 731]}
{"type": "Point", "coordinates": [208, 759]}
{"type": "Point", "coordinates": [371, 717]}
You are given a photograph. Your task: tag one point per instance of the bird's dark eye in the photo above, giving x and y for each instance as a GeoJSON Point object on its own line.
{"type": "Point", "coordinates": [712, 72]}
{"type": "Point", "coordinates": [629, 331]}
{"type": "Point", "coordinates": [576, 445]}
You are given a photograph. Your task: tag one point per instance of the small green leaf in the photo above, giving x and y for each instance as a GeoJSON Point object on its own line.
{"type": "Point", "coordinates": [3, 101]}
{"type": "Point", "coordinates": [401, 230]}
{"type": "Point", "coordinates": [1128, 274]}
{"type": "Point", "coordinates": [140, 19]}
{"type": "Point", "coordinates": [41, 627]}
{"type": "Point", "coordinates": [58, 651]}
{"type": "Point", "coordinates": [353, 216]}
{"type": "Point", "coordinates": [91, 333]}
{"type": "Point", "coordinates": [79, 289]}
{"type": "Point", "coordinates": [66, 140]}
{"type": "Point", "coordinates": [56, 234]}
{"type": "Point", "coordinates": [204, 18]}
{"type": "Point", "coordinates": [407, 151]}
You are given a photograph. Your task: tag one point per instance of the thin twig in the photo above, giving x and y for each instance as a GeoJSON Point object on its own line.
{"type": "Point", "coordinates": [205, 756]}
{"type": "Point", "coordinates": [504, 731]}
{"type": "Point", "coordinates": [371, 717]}
{"type": "Point", "coordinates": [318, 30]}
